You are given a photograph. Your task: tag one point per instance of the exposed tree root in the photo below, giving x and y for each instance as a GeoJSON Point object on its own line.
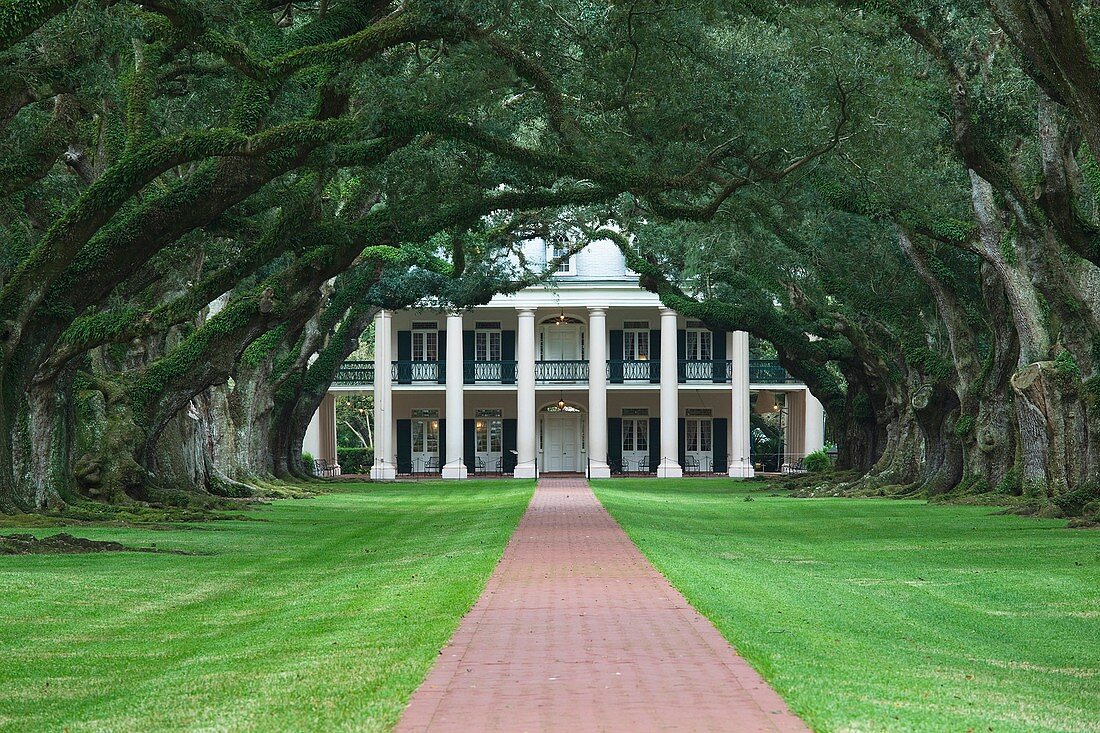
{"type": "Point", "coordinates": [66, 544]}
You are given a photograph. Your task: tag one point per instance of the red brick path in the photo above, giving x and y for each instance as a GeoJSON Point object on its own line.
{"type": "Point", "coordinates": [576, 631]}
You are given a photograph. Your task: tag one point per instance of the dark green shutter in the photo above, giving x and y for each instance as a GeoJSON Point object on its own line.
{"type": "Point", "coordinates": [655, 356]}
{"type": "Point", "coordinates": [404, 356]}
{"type": "Point", "coordinates": [617, 356]}
{"type": "Point", "coordinates": [508, 355]}
{"type": "Point", "coordinates": [404, 446]}
{"type": "Point", "coordinates": [719, 338]}
{"type": "Point", "coordinates": [442, 444]}
{"type": "Point", "coordinates": [467, 357]}
{"type": "Point", "coordinates": [682, 438]}
{"type": "Point", "coordinates": [614, 444]}
{"type": "Point", "coordinates": [469, 441]}
{"type": "Point", "coordinates": [508, 462]}
{"type": "Point", "coordinates": [654, 443]}
{"type": "Point", "coordinates": [441, 353]}
{"type": "Point", "coordinates": [719, 436]}
{"type": "Point", "coordinates": [681, 355]}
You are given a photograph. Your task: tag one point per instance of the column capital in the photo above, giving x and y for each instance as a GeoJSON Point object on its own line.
{"type": "Point", "coordinates": [666, 312]}
{"type": "Point", "coordinates": [597, 310]}
{"type": "Point", "coordinates": [525, 310]}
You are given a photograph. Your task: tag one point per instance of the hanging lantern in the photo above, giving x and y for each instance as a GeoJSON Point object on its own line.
{"type": "Point", "coordinates": [765, 403]}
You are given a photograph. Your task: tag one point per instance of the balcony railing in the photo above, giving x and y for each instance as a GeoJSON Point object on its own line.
{"type": "Point", "coordinates": [769, 371]}
{"type": "Point", "coordinates": [355, 373]}
{"type": "Point", "coordinates": [561, 372]}
{"type": "Point", "coordinates": [761, 371]}
{"type": "Point", "coordinates": [634, 370]}
{"type": "Point", "coordinates": [413, 372]}
{"type": "Point", "coordinates": [715, 371]}
{"type": "Point", "coordinates": [489, 372]}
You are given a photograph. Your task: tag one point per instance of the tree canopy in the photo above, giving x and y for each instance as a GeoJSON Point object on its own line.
{"type": "Point", "coordinates": [204, 204]}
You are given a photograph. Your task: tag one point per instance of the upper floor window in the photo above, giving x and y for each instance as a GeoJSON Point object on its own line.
{"type": "Point", "coordinates": [636, 341]}
{"type": "Point", "coordinates": [557, 250]}
{"type": "Point", "coordinates": [425, 342]}
{"type": "Point", "coordinates": [700, 343]}
{"type": "Point", "coordinates": [487, 342]}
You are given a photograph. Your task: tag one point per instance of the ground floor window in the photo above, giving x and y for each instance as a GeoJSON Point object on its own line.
{"type": "Point", "coordinates": [636, 434]}
{"type": "Point", "coordinates": [488, 439]}
{"type": "Point", "coordinates": [699, 440]}
{"type": "Point", "coordinates": [425, 439]}
{"type": "Point", "coordinates": [635, 439]}
{"type": "Point", "coordinates": [699, 435]}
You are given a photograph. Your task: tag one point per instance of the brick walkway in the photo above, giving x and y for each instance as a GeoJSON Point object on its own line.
{"type": "Point", "coordinates": [576, 631]}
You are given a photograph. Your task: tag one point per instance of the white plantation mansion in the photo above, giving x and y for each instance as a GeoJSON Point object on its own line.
{"type": "Point", "coordinates": [587, 374]}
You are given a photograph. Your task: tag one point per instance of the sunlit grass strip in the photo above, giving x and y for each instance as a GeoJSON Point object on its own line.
{"type": "Point", "coordinates": [317, 614]}
{"type": "Point", "coordinates": [879, 615]}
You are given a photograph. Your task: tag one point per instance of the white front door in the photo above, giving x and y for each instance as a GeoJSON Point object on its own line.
{"type": "Point", "coordinates": [699, 443]}
{"type": "Point", "coordinates": [425, 444]}
{"type": "Point", "coordinates": [488, 436]}
{"type": "Point", "coordinates": [635, 443]}
{"type": "Point", "coordinates": [561, 443]}
{"type": "Point", "coordinates": [561, 343]}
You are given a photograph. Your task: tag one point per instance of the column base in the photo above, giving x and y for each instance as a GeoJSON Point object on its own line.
{"type": "Point", "coordinates": [599, 470]}
{"type": "Point", "coordinates": [383, 472]}
{"type": "Point", "coordinates": [455, 471]}
{"type": "Point", "coordinates": [670, 470]}
{"type": "Point", "coordinates": [527, 471]}
{"type": "Point", "coordinates": [741, 470]}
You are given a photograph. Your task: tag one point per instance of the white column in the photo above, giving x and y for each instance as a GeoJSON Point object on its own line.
{"type": "Point", "coordinates": [312, 442]}
{"type": "Point", "coordinates": [525, 395]}
{"type": "Point", "coordinates": [669, 466]}
{"type": "Point", "coordinates": [597, 393]}
{"type": "Point", "coordinates": [385, 455]}
{"type": "Point", "coordinates": [795, 433]}
{"type": "Point", "coordinates": [815, 424]}
{"type": "Point", "coordinates": [454, 467]}
{"type": "Point", "coordinates": [740, 464]}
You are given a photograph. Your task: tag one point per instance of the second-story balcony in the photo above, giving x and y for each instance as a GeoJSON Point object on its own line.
{"type": "Point", "coordinates": [695, 371]}
{"type": "Point", "coordinates": [355, 374]}
{"type": "Point", "coordinates": [769, 371]}
{"type": "Point", "coordinates": [634, 370]}
{"type": "Point", "coordinates": [619, 371]}
{"type": "Point", "coordinates": [563, 371]}
{"type": "Point", "coordinates": [489, 372]}
{"type": "Point", "coordinates": [418, 372]}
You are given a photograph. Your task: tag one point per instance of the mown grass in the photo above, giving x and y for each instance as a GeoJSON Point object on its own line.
{"type": "Point", "coordinates": [879, 615]}
{"type": "Point", "coordinates": [317, 614]}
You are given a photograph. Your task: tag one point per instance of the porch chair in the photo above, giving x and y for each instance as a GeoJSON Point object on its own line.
{"type": "Point", "coordinates": [431, 466]}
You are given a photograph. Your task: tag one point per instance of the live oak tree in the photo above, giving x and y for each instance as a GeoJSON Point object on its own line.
{"type": "Point", "coordinates": [205, 201]}
{"type": "Point", "coordinates": [933, 279]}
{"type": "Point", "coordinates": [204, 204]}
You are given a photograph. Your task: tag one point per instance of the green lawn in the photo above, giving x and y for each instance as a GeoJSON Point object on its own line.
{"type": "Point", "coordinates": [878, 615]}
{"type": "Point", "coordinates": [319, 614]}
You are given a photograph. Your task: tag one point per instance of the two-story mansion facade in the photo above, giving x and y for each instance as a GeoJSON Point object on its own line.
{"type": "Point", "coordinates": [588, 373]}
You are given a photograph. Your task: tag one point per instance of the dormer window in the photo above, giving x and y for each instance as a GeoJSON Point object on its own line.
{"type": "Point", "coordinates": [567, 266]}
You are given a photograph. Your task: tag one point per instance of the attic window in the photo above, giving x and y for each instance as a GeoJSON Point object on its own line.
{"type": "Point", "coordinates": [557, 250]}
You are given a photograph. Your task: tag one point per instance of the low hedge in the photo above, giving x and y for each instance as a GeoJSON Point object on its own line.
{"type": "Point", "coordinates": [355, 460]}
